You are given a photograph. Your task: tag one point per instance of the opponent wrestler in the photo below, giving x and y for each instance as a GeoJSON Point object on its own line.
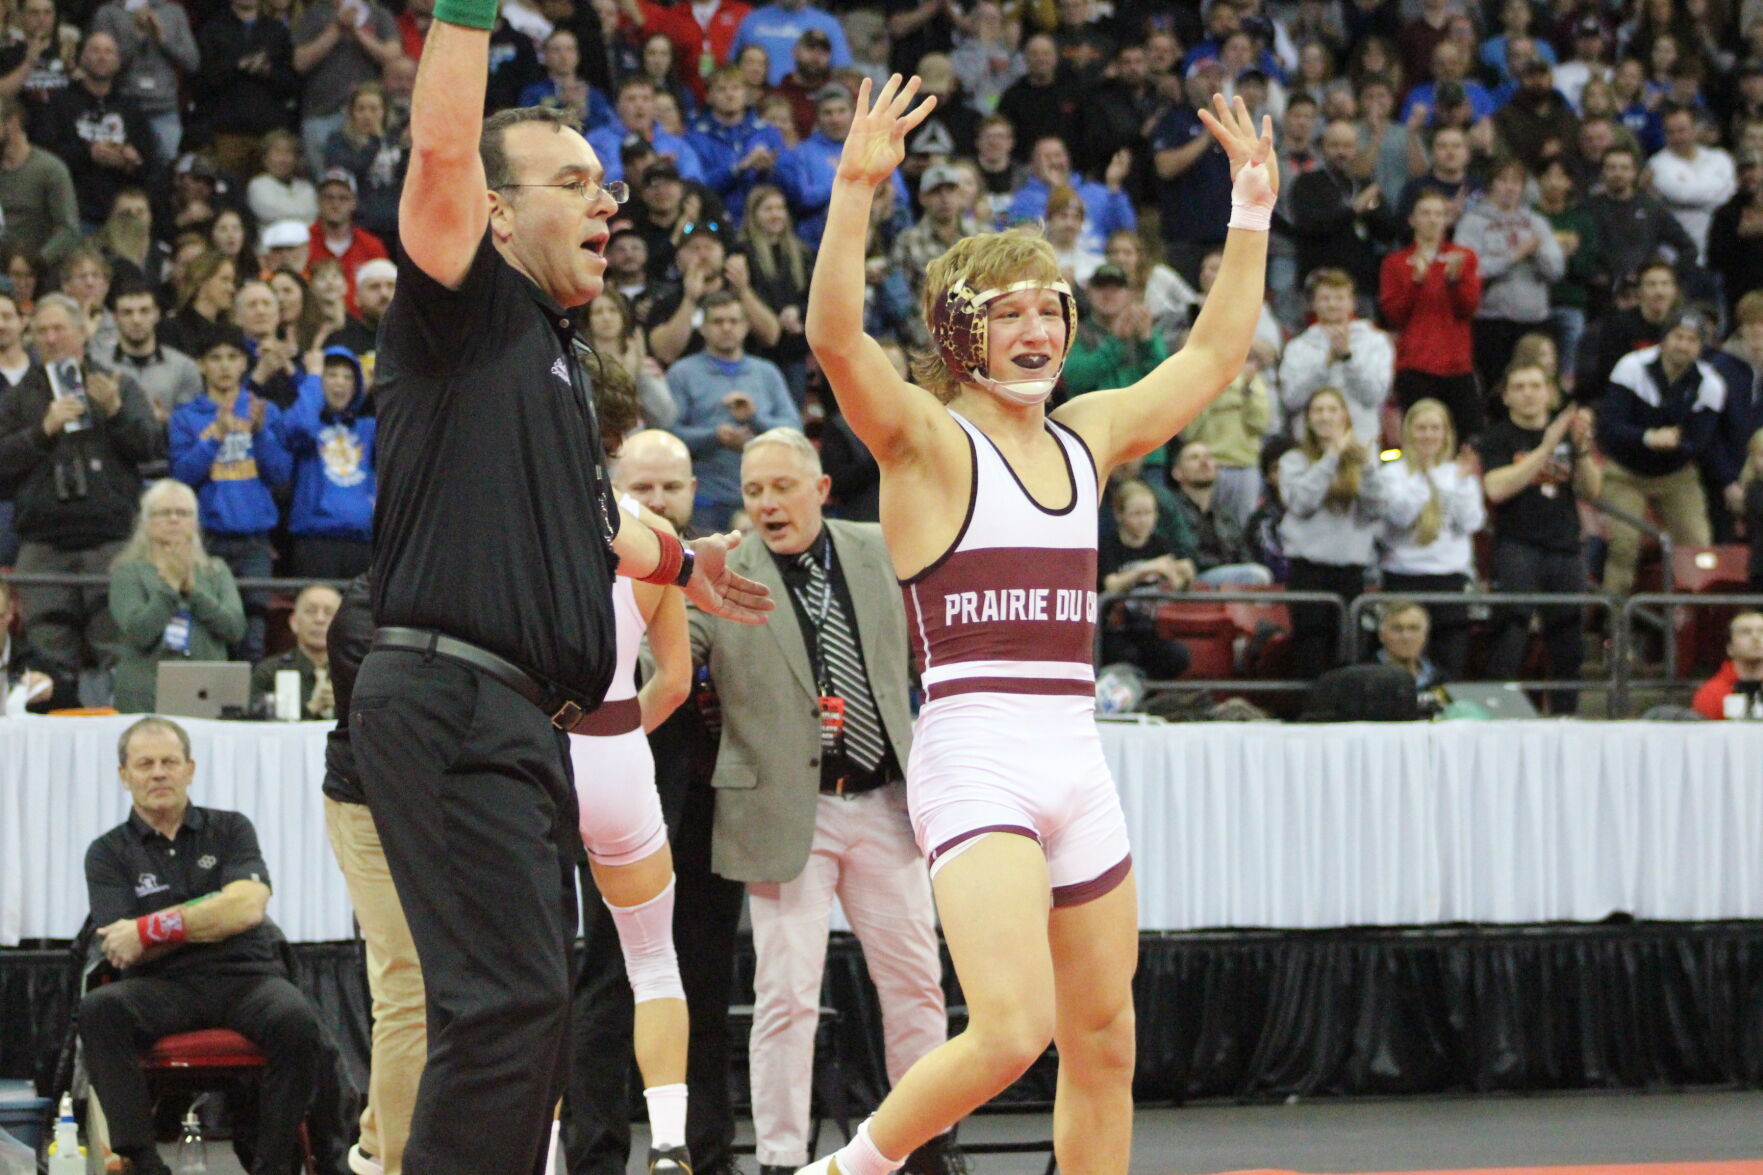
{"type": "Point", "coordinates": [989, 507]}
{"type": "Point", "coordinates": [622, 828]}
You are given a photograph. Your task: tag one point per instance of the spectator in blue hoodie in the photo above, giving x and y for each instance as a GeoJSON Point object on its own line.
{"type": "Point", "coordinates": [736, 146]}
{"type": "Point", "coordinates": [226, 444]}
{"type": "Point", "coordinates": [330, 436]}
{"type": "Point", "coordinates": [805, 172]}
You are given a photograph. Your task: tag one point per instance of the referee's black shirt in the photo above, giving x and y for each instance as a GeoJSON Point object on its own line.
{"type": "Point", "coordinates": [489, 524]}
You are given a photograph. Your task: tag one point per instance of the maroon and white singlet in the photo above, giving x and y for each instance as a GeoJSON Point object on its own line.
{"type": "Point", "coordinates": [1003, 627]}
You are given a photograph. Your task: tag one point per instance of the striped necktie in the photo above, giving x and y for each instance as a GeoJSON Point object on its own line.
{"type": "Point", "coordinates": [842, 660]}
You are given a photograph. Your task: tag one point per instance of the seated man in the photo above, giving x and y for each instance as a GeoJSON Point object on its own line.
{"type": "Point", "coordinates": [1737, 690]}
{"type": "Point", "coordinates": [1402, 629]}
{"type": "Point", "coordinates": [310, 656]}
{"type": "Point", "coordinates": [178, 894]}
{"type": "Point", "coordinates": [1221, 552]}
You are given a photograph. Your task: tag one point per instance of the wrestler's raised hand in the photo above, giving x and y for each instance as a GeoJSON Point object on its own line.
{"type": "Point", "coordinates": [719, 591]}
{"type": "Point", "coordinates": [1234, 128]}
{"type": "Point", "coordinates": [876, 144]}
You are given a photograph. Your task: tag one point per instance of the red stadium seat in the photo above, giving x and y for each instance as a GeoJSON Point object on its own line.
{"type": "Point", "coordinates": [1701, 632]}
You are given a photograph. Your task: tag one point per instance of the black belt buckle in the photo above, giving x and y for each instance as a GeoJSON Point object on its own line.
{"type": "Point", "coordinates": [567, 716]}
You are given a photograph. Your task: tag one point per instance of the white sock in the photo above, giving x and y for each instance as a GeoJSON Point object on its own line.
{"type": "Point", "coordinates": [860, 1156]}
{"type": "Point", "coordinates": [667, 1115]}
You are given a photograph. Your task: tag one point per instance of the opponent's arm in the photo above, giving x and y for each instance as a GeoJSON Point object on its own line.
{"type": "Point", "coordinates": [1129, 422]}
{"type": "Point", "coordinates": [445, 206]}
{"type": "Point", "coordinates": [671, 683]}
{"type": "Point", "coordinates": [888, 413]}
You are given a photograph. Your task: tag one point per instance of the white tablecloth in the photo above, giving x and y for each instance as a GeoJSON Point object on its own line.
{"type": "Point", "coordinates": [1250, 826]}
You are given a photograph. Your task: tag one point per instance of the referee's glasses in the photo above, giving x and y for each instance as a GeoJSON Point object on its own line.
{"type": "Point", "coordinates": [588, 190]}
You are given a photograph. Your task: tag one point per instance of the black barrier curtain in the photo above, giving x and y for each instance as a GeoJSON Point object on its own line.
{"type": "Point", "coordinates": [1258, 1015]}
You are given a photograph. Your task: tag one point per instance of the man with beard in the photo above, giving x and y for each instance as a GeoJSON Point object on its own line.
{"type": "Point", "coordinates": [1536, 117]}
{"type": "Point", "coordinates": [813, 56]}
{"type": "Point", "coordinates": [1633, 225]}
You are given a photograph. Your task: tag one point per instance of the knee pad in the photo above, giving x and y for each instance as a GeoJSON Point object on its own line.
{"type": "Point", "coordinates": [645, 935]}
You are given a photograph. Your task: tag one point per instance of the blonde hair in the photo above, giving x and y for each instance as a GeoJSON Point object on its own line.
{"type": "Point", "coordinates": [140, 544]}
{"type": "Point", "coordinates": [1343, 491]}
{"type": "Point", "coordinates": [983, 261]}
{"type": "Point", "coordinates": [1432, 515]}
{"type": "Point", "coordinates": [765, 250]}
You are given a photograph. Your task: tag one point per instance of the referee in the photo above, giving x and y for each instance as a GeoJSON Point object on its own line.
{"type": "Point", "coordinates": [495, 544]}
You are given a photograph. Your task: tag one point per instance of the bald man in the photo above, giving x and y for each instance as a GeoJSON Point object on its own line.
{"type": "Point", "coordinates": [655, 468]}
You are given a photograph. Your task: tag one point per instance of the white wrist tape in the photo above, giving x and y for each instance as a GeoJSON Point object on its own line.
{"type": "Point", "coordinates": [1252, 199]}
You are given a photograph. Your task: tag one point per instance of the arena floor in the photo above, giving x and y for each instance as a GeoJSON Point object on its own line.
{"type": "Point", "coordinates": [1577, 1134]}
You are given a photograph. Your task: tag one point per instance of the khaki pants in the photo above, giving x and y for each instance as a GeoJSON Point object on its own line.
{"type": "Point", "coordinates": [1678, 499]}
{"type": "Point", "coordinates": [394, 978]}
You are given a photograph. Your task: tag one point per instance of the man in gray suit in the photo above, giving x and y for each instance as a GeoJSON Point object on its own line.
{"type": "Point", "coordinates": [810, 798]}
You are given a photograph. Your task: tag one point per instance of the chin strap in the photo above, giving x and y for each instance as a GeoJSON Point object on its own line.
{"type": "Point", "coordinates": [1020, 391]}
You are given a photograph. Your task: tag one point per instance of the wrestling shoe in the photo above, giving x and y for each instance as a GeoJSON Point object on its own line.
{"type": "Point", "coordinates": [362, 1163]}
{"type": "Point", "coordinates": [939, 1156]}
{"type": "Point", "coordinates": [672, 1160]}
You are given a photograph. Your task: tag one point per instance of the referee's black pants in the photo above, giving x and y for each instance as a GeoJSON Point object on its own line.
{"type": "Point", "coordinates": [470, 788]}
{"type": "Point", "coordinates": [706, 918]}
{"type": "Point", "coordinates": [120, 1020]}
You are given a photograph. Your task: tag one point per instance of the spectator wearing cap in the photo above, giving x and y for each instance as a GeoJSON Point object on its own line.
{"type": "Point", "coordinates": [98, 132]}
{"type": "Point", "coordinates": [776, 28]}
{"type": "Point", "coordinates": [665, 212]}
{"type": "Point", "coordinates": [376, 159]}
{"type": "Point", "coordinates": [329, 433]}
{"type": "Point", "coordinates": [1656, 421]}
{"type": "Point", "coordinates": [246, 86]}
{"type": "Point", "coordinates": [737, 148]}
{"type": "Point", "coordinates": [158, 52]}
{"type": "Point", "coordinates": [338, 45]}
{"type": "Point", "coordinates": [805, 172]}
{"type": "Point", "coordinates": [1519, 258]}
{"type": "Point", "coordinates": [705, 268]}
{"type": "Point", "coordinates": [634, 116]}
{"type": "Point", "coordinates": [40, 210]}
{"type": "Point", "coordinates": [335, 233]}
{"type": "Point", "coordinates": [375, 283]}
{"type": "Point", "coordinates": [812, 73]}
{"type": "Point", "coordinates": [1429, 293]}
{"type": "Point", "coordinates": [285, 244]}
{"type": "Point", "coordinates": [280, 191]}
{"type": "Point", "coordinates": [1691, 179]}
{"type": "Point", "coordinates": [1450, 65]}
{"type": "Point", "coordinates": [1589, 62]}
{"type": "Point", "coordinates": [227, 445]}
{"type": "Point", "coordinates": [1116, 344]}
{"type": "Point", "coordinates": [1107, 205]}
{"type": "Point", "coordinates": [947, 218]}
{"type": "Point", "coordinates": [1537, 123]}
{"type": "Point", "coordinates": [726, 398]}
{"type": "Point", "coordinates": [1633, 225]}
{"type": "Point", "coordinates": [1046, 100]}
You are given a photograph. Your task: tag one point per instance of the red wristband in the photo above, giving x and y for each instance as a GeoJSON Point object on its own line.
{"type": "Point", "coordinates": [165, 927]}
{"type": "Point", "coordinates": [673, 555]}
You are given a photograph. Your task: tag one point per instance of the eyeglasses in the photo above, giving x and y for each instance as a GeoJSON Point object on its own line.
{"type": "Point", "coordinates": [712, 227]}
{"type": "Point", "coordinates": [588, 190]}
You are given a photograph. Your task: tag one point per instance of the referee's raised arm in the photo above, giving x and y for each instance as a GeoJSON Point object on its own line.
{"type": "Point", "coordinates": [445, 206]}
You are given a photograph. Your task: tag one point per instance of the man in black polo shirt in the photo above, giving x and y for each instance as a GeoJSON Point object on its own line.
{"type": "Point", "coordinates": [495, 544]}
{"type": "Point", "coordinates": [178, 894]}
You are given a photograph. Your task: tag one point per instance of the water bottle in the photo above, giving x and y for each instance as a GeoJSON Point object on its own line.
{"type": "Point", "coordinates": [192, 1151]}
{"type": "Point", "coordinates": [66, 1157]}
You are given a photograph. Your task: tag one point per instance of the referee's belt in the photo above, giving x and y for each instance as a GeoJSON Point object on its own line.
{"type": "Point", "coordinates": [565, 713]}
{"type": "Point", "coordinates": [854, 781]}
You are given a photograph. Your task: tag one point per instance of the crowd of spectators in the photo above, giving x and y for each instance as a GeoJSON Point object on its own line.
{"type": "Point", "coordinates": [1521, 245]}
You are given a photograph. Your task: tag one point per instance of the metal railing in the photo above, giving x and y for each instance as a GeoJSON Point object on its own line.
{"type": "Point", "coordinates": [1669, 603]}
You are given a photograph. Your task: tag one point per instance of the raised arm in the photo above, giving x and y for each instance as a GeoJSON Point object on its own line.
{"type": "Point", "coordinates": [445, 206]}
{"type": "Point", "coordinates": [1129, 422]}
{"type": "Point", "coordinates": [887, 413]}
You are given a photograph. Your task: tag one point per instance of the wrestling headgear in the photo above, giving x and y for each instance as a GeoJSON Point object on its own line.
{"type": "Point", "coordinates": [958, 326]}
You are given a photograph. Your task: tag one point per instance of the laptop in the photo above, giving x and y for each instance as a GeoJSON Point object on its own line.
{"type": "Point", "coordinates": [1499, 699]}
{"type": "Point", "coordinates": [202, 689]}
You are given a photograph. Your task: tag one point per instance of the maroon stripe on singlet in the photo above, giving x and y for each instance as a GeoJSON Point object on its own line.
{"type": "Point", "coordinates": [1007, 604]}
{"type": "Point", "coordinates": [963, 838]}
{"type": "Point", "coordinates": [1088, 891]}
{"type": "Point", "coordinates": [1047, 687]}
{"type": "Point", "coordinates": [610, 718]}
